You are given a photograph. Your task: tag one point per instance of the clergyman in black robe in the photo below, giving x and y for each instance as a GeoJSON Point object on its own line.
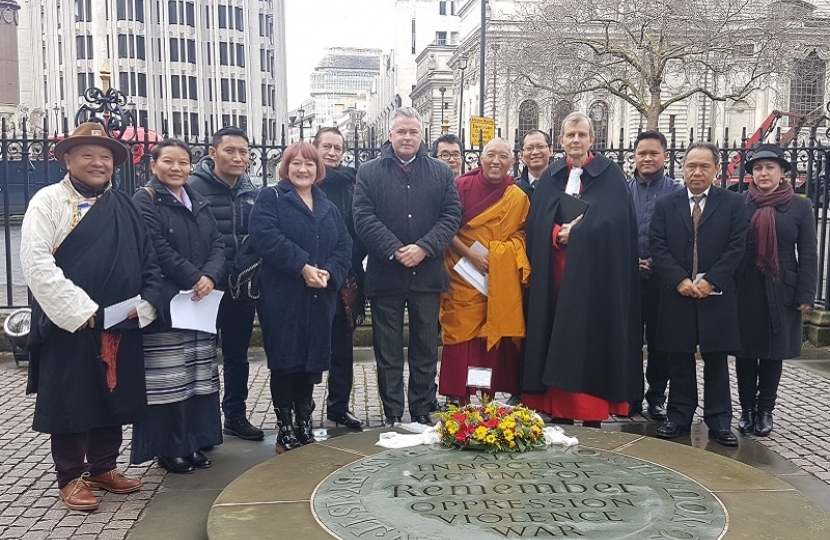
{"type": "Point", "coordinates": [583, 345]}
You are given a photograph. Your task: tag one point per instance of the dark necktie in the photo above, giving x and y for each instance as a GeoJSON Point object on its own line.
{"type": "Point", "coordinates": [696, 212]}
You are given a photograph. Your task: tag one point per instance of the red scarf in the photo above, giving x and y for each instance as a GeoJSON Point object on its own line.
{"type": "Point", "coordinates": [762, 225]}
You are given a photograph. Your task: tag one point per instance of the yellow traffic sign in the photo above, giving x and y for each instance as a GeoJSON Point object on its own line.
{"type": "Point", "coordinates": [482, 130]}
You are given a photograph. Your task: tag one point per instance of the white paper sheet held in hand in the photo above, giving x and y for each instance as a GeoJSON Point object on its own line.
{"type": "Point", "coordinates": [470, 273]}
{"type": "Point", "coordinates": [189, 315]}
{"type": "Point", "coordinates": [116, 313]}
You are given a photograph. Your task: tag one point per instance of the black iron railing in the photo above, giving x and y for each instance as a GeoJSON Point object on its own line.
{"type": "Point", "coordinates": [27, 163]}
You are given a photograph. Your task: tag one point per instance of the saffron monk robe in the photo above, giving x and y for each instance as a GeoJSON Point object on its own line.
{"type": "Point", "coordinates": [478, 330]}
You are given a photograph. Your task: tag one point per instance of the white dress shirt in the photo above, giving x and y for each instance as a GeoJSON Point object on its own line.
{"type": "Point", "coordinates": [702, 202]}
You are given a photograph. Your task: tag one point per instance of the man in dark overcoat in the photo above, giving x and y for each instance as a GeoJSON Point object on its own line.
{"type": "Point", "coordinates": [406, 212]}
{"type": "Point", "coordinates": [85, 248]}
{"type": "Point", "coordinates": [698, 236]}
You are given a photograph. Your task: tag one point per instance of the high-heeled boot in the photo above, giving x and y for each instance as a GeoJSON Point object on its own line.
{"type": "Point", "coordinates": [286, 438]}
{"type": "Point", "coordinates": [746, 423]}
{"type": "Point", "coordinates": [763, 423]}
{"type": "Point", "coordinates": [305, 433]}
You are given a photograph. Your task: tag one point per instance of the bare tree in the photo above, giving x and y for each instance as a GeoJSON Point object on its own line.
{"type": "Point", "coordinates": [653, 53]}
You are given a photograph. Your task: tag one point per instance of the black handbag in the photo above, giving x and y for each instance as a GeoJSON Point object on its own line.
{"type": "Point", "coordinates": [243, 278]}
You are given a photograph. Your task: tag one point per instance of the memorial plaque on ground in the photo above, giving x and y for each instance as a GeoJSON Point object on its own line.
{"type": "Point", "coordinates": [434, 493]}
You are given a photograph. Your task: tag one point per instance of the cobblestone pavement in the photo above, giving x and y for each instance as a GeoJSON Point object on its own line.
{"type": "Point", "coordinates": [31, 509]}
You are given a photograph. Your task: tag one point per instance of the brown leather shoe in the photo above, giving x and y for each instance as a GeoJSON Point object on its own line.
{"type": "Point", "coordinates": [77, 495]}
{"type": "Point", "coordinates": [114, 482]}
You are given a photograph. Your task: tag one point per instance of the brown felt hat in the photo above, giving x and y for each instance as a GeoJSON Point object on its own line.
{"type": "Point", "coordinates": [91, 133]}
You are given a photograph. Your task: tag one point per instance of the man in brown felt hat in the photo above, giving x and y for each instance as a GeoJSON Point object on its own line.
{"type": "Point", "coordinates": [84, 248]}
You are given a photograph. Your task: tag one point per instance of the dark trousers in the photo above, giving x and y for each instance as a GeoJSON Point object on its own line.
{"type": "Point", "coordinates": [387, 338]}
{"type": "Point", "coordinates": [657, 367]}
{"type": "Point", "coordinates": [94, 451]}
{"type": "Point", "coordinates": [290, 390]}
{"type": "Point", "coordinates": [236, 324]}
{"type": "Point", "coordinates": [758, 383]}
{"type": "Point", "coordinates": [341, 373]}
{"type": "Point", "coordinates": [717, 405]}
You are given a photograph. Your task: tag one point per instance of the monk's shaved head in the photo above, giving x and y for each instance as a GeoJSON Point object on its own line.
{"type": "Point", "coordinates": [496, 160]}
{"type": "Point", "coordinates": [495, 142]}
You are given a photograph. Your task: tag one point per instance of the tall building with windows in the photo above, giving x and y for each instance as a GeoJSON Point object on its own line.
{"type": "Point", "coordinates": [188, 67]}
{"type": "Point", "coordinates": [341, 75]}
{"type": "Point", "coordinates": [418, 25]}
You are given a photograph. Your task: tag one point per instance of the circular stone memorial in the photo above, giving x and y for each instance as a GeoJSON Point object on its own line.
{"type": "Point", "coordinates": [441, 494]}
{"type": "Point", "coordinates": [612, 486]}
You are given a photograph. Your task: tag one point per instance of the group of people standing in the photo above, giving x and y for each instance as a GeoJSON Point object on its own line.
{"type": "Point", "coordinates": [541, 287]}
{"type": "Point", "coordinates": [691, 268]}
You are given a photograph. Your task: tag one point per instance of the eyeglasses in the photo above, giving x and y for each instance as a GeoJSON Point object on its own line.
{"type": "Point", "coordinates": [449, 155]}
{"type": "Point", "coordinates": [533, 148]}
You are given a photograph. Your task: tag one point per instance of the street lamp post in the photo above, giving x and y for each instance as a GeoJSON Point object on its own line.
{"type": "Point", "coordinates": [495, 73]}
{"type": "Point", "coordinates": [57, 110]}
{"type": "Point", "coordinates": [442, 90]}
{"type": "Point", "coordinates": [462, 65]}
{"type": "Point", "coordinates": [301, 112]}
{"type": "Point", "coordinates": [481, 57]}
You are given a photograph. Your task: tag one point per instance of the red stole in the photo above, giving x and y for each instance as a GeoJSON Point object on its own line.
{"type": "Point", "coordinates": [477, 194]}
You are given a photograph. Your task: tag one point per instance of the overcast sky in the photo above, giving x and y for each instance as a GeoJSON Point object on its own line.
{"type": "Point", "coordinates": [312, 25]}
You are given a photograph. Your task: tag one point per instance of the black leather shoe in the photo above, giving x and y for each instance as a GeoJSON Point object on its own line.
{"type": "Point", "coordinates": [347, 419]}
{"type": "Point", "coordinates": [435, 406]}
{"type": "Point", "coordinates": [723, 436]}
{"type": "Point", "coordinates": [390, 421]}
{"type": "Point", "coordinates": [657, 411]}
{"type": "Point", "coordinates": [243, 429]}
{"type": "Point", "coordinates": [746, 423]}
{"type": "Point", "coordinates": [763, 424]}
{"type": "Point", "coordinates": [199, 460]}
{"type": "Point", "coordinates": [422, 419]}
{"type": "Point", "coordinates": [592, 424]}
{"type": "Point", "coordinates": [514, 399]}
{"type": "Point", "coordinates": [670, 430]}
{"type": "Point", "coordinates": [176, 465]}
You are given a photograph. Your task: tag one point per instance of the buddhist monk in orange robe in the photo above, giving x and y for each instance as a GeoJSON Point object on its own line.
{"type": "Point", "coordinates": [481, 330]}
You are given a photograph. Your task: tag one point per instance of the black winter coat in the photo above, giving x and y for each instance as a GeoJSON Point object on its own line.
{"type": "Point", "coordinates": [187, 243]}
{"type": "Point", "coordinates": [338, 186]}
{"type": "Point", "coordinates": [231, 206]}
{"type": "Point", "coordinates": [393, 209]}
{"type": "Point", "coordinates": [296, 319]}
{"type": "Point", "coordinates": [711, 322]}
{"type": "Point", "coordinates": [588, 338]}
{"type": "Point", "coordinates": [770, 324]}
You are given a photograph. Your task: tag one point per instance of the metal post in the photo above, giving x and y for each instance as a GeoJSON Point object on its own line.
{"type": "Point", "coordinates": [495, 73]}
{"type": "Point", "coordinates": [481, 57]}
{"type": "Point", "coordinates": [461, 104]}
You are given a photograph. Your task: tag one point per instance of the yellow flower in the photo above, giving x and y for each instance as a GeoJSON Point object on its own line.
{"type": "Point", "coordinates": [490, 439]}
{"type": "Point", "coordinates": [509, 435]}
{"type": "Point", "coordinates": [480, 433]}
{"type": "Point", "coordinates": [512, 444]}
{"type": "Point", "coordinates": [452, 427]}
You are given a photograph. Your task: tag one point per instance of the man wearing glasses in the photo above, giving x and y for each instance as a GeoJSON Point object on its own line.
{"type": "Point", "coordinates": [447, 148]}
{"type": "Point", "coordinates": [537, 150]}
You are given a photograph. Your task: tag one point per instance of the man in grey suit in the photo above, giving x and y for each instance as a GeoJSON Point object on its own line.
{"type": "Point", "coordinates": [406, 212]}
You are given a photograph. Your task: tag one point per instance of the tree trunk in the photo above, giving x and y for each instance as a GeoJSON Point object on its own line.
{"type": "Point", "coordinates": [654, 108]}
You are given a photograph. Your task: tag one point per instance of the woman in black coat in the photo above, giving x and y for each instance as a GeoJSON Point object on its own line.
{"type": "Point", "coordinates": [180, 365]}
{"type": "Point", "coordinates": [306, 254]}
{"type": "Point", "coordinates": [338, 186]}
{"type": "Point", "coordinates": [777, 282]}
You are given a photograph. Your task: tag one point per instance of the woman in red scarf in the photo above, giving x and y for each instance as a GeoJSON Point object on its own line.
{"type": "Point", "coordinates": [777, 282]}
